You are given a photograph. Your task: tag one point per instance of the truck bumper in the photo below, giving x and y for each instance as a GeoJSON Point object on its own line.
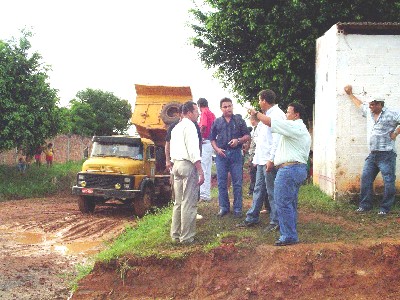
{"type": "Point", "coordinates": [106, 193]}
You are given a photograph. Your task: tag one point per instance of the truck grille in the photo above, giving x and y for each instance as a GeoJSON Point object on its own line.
{"type": "Point", "coordinates": [106, 181]}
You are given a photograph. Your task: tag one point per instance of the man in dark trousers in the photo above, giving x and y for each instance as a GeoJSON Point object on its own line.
{"type": "Point", "coordinates": [228, 133]}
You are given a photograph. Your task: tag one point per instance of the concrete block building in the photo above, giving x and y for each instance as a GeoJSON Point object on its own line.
{"type": "Point", "coordinates": [366, 56]}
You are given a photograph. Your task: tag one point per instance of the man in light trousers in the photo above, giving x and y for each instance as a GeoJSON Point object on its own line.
{"type": "Point", "coordinates": [206, 120]}
{"type": "Point", "coordinates": [266, 145]}
{"type": "Point", "coordinates": [188, 175]}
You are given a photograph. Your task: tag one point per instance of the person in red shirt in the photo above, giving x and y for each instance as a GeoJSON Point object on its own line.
{"type": "Point", "coordinates": [206, 120]}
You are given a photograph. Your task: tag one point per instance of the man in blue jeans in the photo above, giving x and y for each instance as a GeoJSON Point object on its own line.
{"type": "Point", "coordinates": [228, 133]}
{"type": "Point", "coordinates": [291, 164]}
{"type": "Point", "coordinates": [266, 146]}
{"type": "Point", "coordinates": [382, 126]}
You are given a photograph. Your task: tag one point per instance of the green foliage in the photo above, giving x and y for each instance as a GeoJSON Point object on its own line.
{"type": "Point", "coordinates": [29, 114]}
{"type": "Point", "coordinates": [95, 112]}
{"type": "Point", "coordinates": [262, 44]}
{"type": "Point", "coordinates": [37, 181]}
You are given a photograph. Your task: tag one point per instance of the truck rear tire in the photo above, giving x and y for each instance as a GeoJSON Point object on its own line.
{"type": "Point", "coordinates": [170, 112]}
{"type": "Point", "coordinates": [143, 204]}
{"type": "Point", "coordinates": [86, 204]}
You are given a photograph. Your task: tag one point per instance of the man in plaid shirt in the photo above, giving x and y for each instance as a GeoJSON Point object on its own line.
{"type": "Point", "coordinates": [382, 125]}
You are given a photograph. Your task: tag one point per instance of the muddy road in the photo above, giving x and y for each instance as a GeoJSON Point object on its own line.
{"type": "Point", "coordinates": [42, 240]}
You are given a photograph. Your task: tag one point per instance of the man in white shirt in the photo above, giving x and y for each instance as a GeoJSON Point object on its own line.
{"type": "Point", "coordinates": [266, 145]}
{"type": "Point", "coordinates": [188, 175]}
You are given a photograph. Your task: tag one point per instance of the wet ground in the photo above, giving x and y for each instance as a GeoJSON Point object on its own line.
{"type": "Point", "coordinates": [42, 240]}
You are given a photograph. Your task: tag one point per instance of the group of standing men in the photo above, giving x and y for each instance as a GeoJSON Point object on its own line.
{"type": "Point", "coordinates": [281, 154]}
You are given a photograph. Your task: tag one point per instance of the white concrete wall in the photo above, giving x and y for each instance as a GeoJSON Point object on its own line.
{"type": "Point", "coordinates": [371, 64]}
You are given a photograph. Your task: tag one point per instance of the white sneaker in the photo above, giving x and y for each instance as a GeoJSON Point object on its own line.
{"type": "Point", "coordinates": [199, 217]}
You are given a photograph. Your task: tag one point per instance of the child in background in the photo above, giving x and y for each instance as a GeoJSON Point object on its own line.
{"type": "Point", "coordinates": [49, 155]}
{"type": "Point", "coordinates": [38, 155]}
{"type": "Point", "coordinates": [21, 166]}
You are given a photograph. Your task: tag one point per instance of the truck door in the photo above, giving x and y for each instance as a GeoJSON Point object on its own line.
{"type": "Point", "coordinates": [150, 164]}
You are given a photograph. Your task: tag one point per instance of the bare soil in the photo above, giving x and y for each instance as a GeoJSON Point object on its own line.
{"type": "Point", "coordinates": [42, 240]}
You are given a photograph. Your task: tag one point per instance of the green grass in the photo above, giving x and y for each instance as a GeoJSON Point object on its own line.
{"type": "Point", "coordinates": [149, 237]}
{"type": "Point", "coordinates": [37, 181]}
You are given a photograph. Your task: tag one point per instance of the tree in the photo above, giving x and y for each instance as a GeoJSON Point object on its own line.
{"type": "Point", "coordinates": [95, 112]}
{"type": "Point", "coordinates": [261, 44]}
{"type": "Point", "coordinates": [27, 102]}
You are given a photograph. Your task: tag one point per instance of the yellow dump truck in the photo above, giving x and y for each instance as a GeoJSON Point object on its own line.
{"type": "Point", "coordinates": [131, 169]}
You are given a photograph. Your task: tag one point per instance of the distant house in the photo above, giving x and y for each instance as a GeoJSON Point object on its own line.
{"type": "Point", "coordinates": [367, 56]}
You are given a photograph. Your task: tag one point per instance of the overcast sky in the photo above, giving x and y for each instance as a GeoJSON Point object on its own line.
{"type": "Point", "coordinates": [111, 45]}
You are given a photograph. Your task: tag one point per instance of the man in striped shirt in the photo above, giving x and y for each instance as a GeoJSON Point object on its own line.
{"type": "Point", "coordinates": [382, 126]}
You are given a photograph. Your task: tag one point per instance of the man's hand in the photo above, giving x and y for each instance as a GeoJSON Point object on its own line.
{"type": "Point", "coordinates": [201, 178]}
{"type": "Point", "coordinates": [220, 152]}
{"type": "Point", "coordinates": [269, 166]}
{"type": "Point", "coordinates": [348, 89]}
{"type": "Point", "coordinates": [168, 165]}
{"type": "Point", "coordinates": [233, 143]}
{"type": "Point", "coordinates": [394, 135]}
{"type": "Point", "coordinates": [251, 111]}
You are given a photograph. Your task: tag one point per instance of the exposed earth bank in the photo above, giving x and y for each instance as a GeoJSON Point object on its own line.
{"type": "Point", "coordinates": [315, 271]}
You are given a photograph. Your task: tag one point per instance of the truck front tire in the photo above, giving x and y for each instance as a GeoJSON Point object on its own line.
{"type": "Point", "coordinates": [86, 204]}
{"type": "Point", "coordinates": [143, 204]}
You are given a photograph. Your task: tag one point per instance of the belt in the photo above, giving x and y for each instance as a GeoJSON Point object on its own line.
{"type": "Point", "coordinates": [288, 164]}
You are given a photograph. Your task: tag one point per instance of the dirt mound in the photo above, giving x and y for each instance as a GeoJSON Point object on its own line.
{"type": "Point", "coordinates": [303, 271]}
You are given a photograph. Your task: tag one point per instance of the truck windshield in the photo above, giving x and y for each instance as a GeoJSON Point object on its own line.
{"type": "Point", "coordinates": [118, 150]}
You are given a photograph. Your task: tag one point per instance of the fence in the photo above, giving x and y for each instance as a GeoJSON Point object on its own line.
{"type": "Point", "coordinates": [66, 148]}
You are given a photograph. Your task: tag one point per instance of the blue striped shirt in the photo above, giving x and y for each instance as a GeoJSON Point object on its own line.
{"type": "Point", "coordinates": [378, 135]}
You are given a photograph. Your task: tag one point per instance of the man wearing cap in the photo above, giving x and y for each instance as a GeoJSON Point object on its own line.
{"type": "Point", "coordinates": [382, 126]}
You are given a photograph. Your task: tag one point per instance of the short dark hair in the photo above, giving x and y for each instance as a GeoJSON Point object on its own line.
{"type": "Point", "coordinates": [299, 108]}
{"type": "Point", "coordinates": [267, 95]}
{"type": "Point", "coordinates": [188, 107]}
{"type": "Point", "coordinates": [202, 102]}
{"type": "Point", "coordinates": [224, 100]}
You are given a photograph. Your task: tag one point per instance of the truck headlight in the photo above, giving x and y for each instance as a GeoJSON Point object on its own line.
{"type": "Point", "coordinates": [82, 183]}
{"type": "Point", "coordinates": [81, 176]}
{"type": "Point", "coordinates": [126, 186]}
{"type": "Point", "coordinates": [127, 180]}
{"type": "Point", "coordinates": [118, 186]}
